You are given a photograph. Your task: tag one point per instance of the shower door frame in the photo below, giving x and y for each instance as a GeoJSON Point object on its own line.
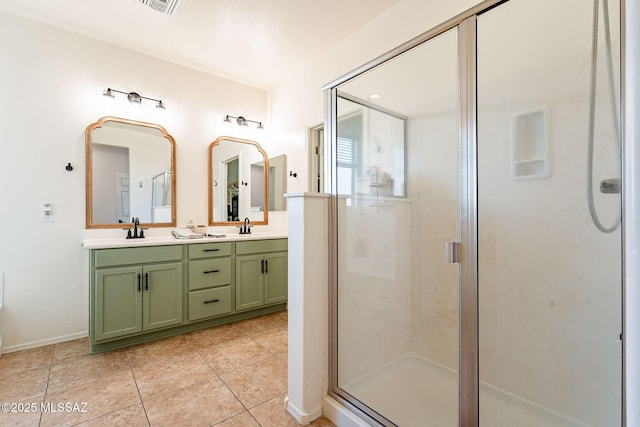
{"type": "Point", "coordinates": [469, 394]}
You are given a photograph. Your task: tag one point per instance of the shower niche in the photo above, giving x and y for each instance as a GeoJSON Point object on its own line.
{"type": "Point", "coordinates": [530, 145]}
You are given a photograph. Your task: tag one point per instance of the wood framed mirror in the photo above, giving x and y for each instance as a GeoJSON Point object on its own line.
{"type": "Point", "coordinates": [234, 194]}
{"type": "Point", "coordinates": [130, 173]}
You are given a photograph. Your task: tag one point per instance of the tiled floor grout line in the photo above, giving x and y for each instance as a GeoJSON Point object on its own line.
{"type": "Point", "coordinates": [227, 386]}
{"type": "Point", "coordinates": [251, 337]}
{"type": "Point", "coordinates": [235, 369]}
{"type": "Point", "coordinates": [46, 388]}
{"type": "Point", "coordinates": [133, 373]}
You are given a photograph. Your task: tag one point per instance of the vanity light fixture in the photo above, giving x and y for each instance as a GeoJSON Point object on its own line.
{"type": "Point", "coordinates": [242, 121]}
{"type": "Point", "coordinates": [134, 97]}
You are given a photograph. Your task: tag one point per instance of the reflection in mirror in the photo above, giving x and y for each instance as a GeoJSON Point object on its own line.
{"type": "Point", "coordinates": [231, 184]}
{"type": "Point", "coordinates": [130, 174]}
{"type": "Point", "coordinates": [277, 184]}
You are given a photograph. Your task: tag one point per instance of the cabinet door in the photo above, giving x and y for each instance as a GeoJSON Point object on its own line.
{"type": "Point", "coordinates": [162, 290]}
{"type": "Point", "coordinates": [249, 287]}
{"type": "Point", "coordinates": [118, 302]}
{"type": "Point", "coordinates": [275, 279]}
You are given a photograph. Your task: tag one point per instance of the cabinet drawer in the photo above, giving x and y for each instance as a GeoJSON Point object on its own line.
{"type": "Point", "coordinates": [206, 273]}
{"type": "Point", "coordinates": [261, 246]}
{"type": "Point", "coordinates": [208, 250]}
{"type": "Point", "coordinates": [209, 302]}
{"type": "Point", "coordinates": [141, 255]}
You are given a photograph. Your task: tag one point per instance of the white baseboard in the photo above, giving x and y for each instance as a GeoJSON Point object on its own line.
{"type": "Point", "coordinates": [47, 341]}
{"type": "Point", "coordinates": [304, 418]}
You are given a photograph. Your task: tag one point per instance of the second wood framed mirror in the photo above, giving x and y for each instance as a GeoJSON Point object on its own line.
{"type": "Point", "coordinates": [234, 193]}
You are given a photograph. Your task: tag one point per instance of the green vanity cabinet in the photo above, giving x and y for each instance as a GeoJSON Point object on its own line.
{"type": "Point", "coordinates": [210, 280]}
{"type": "Point", "coordinates": [261, 273]}
{"type": "Point", "coordinates": [139, 294]}
{"type": "Point", "coordinates": [133, 299]}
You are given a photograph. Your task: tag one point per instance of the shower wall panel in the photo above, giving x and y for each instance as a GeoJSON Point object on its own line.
{"type": "Point", "coordinates": [432, 141]}
{"type": "Point", "coordinates": [549, 281]}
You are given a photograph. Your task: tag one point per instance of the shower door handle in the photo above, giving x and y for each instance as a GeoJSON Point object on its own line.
{"type": "Point", "coordinates": [453, 252]}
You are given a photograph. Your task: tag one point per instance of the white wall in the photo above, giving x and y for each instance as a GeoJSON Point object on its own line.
{"type": "Point", "coordinates": [297, 103]}
{"type": "Point", "coordinates": [51, 85]}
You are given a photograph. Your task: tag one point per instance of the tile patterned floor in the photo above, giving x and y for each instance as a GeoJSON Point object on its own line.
{"type": "Point", "coordinates": [231, 375]}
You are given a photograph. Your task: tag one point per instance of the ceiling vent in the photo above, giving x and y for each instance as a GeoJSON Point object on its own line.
{"type": "Point", "coordinates": [165, 6]}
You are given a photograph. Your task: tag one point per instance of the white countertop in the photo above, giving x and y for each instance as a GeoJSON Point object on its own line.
{"type": "Point", "coordinates": [122, 242]}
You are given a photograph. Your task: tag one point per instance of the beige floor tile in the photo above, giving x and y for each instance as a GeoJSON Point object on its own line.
{"type": "Point", "coordinates": [215, 335]}
{"type": "Point", "coordinates": [276, 341]}
{"type": "Point", "coordinates": [104, 396]}
{"type": "Point", "coordinates": [284, 315]}
{"type": "Point", "coordinates": [257, 383]}
{"type": "Point", "coordinates": [25, 413]}
{"type": "Point", "coordinates": [234, 354]}
{"type": "Point", "coordinates": [244, 419]}
{"type": "Point", "coordinates": [16, 386]}
{"type": "Point", "coordinates": [159, 376]}
{"type": "Point", "coordinates": [322, 422]}
{"type": "Point", "coordinates": [133, 416]}
{"type": "Point", "coordinates": [73, 371]}
{"type": "Point", "coordinates": [202, 404]}
{"type": "Point", "coordinates": [32, 358]}
{"type": "Point", "coordinates": [262, 324]}
{"type": "Point", "coordinates": [284, 358]}
{"type": "Point", "coordinates": [272, 413]}
{"type": "Point", "coordinates": [68, 350]}
{"type": "Point", "coordinates": [140, 355]}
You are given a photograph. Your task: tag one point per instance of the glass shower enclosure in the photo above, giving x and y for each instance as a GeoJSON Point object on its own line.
{"type": "Point", "coordinates": [476, 267]}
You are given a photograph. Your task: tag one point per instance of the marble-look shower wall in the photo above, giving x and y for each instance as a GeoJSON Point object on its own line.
{"type": "Point", "coordinates": [549, 281]}
{"type": "Point", "coordinates": [374, 276]}
{"type": "Point", "coordinates": [433, 172]}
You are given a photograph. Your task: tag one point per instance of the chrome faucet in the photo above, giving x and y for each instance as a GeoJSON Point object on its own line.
{"type": "Point", "coordinates": [246, 229]}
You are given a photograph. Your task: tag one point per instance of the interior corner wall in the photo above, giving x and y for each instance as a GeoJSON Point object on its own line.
{"type": "Point", "coordinates": [52, 83]}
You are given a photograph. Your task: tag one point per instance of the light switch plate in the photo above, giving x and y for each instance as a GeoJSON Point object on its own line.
{"type": "Point", "coordinates": [46, 213]}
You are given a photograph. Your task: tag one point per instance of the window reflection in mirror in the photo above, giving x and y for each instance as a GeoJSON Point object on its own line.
{"type": "Point", "coordinates": [231, 184]}
{"type": "Point", "coordinates": [130, 174]}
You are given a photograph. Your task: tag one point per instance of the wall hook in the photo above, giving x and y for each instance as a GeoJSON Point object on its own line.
{"type": "Point", "coordinates": [293, 174]}
{"type": "Point", "coordinates": [69, 167]}
{"type": "Point", "coordinates": [244, 183]}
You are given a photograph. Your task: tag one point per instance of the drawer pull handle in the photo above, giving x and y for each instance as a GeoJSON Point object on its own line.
{"type": "Point", "coordinates": [211, 250]}
{"type": "Point", "coordinates": [212, 271]}
{"type": "Point", "coordinates": [213, 300]}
